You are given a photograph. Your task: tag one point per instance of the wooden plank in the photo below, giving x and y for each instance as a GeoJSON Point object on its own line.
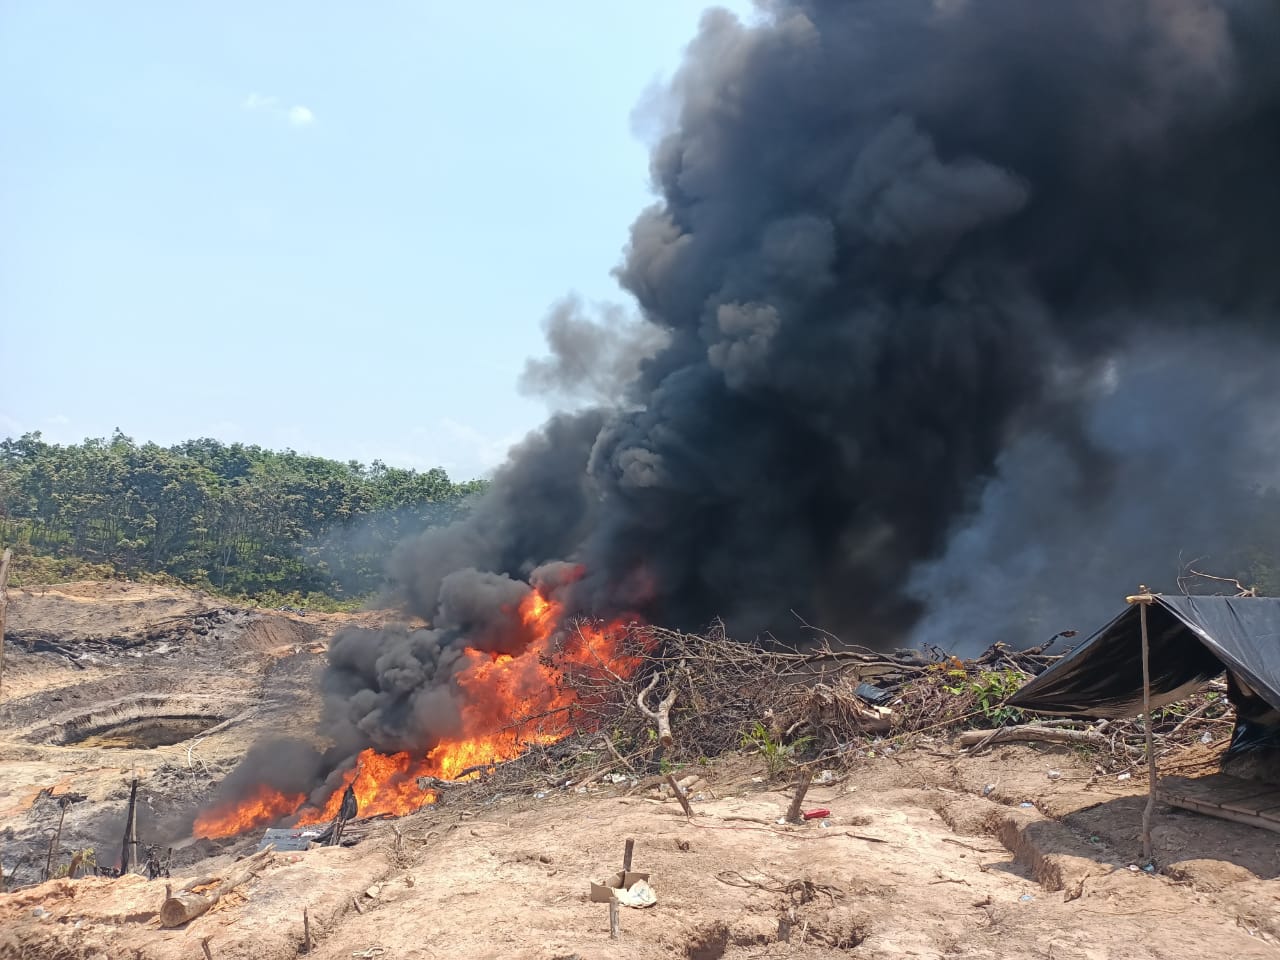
{"type": "Point", "coordinates": [1217, 788]}
{"type": "Point", "coordinates": [1269, 798]}
{"type": "Point", "coordinates": [1247, 818]}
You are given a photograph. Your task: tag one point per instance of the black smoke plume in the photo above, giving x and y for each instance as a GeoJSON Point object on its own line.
{"type": "Point", "coordinates": [933, 293]}
{"type": "Point", "coordinates": [895, 243]}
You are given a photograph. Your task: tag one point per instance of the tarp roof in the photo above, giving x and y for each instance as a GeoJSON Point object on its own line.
{"type": "Point", "coordinates": [1193, 639]}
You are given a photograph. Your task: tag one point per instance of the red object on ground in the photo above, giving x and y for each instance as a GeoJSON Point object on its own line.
{"type": "Point", "coordinates": [817, 814]}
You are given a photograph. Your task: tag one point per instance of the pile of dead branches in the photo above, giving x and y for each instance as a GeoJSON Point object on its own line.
{"type": "Point", "coordinates": [690, 697]}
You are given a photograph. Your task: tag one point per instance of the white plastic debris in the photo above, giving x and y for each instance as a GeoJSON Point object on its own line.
{"type": "Point", "coordinates": [1206, 737]}
{"type": "Point", "coordinates": [988, 789]}
{"type": "Point", "coordinates": [639, 894]}
{"type": "Point", "coordinates": [1055, 774]}
{"type": "Point", "coordinates": [1123, 776]}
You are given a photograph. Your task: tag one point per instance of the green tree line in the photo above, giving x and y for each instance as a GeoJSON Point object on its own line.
{"type": "Point", "coordinates": [235, 518]}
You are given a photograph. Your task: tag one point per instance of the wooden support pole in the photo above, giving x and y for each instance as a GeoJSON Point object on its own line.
{"type": "Point", "coordinates": [54, 841]}
{"type": "Point", "coordinates": [4, 602]}
{"type": "Point", "coordinates": [615, 922]}
{"type": "Point", "coordinates": [1144, 599]}
{"type": "Point", "coordinates": [627, 851]}
{"type": "Point", "coordinates": [802, 787]}
{"type": "Point", "coordinates": [127, 847]}
{"type": "Point", "coordinates": [306, 931]}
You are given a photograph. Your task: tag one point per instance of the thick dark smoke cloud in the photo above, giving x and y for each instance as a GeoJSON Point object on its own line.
{"type": "Point", "coordinates": [935, 291]}
{"type": "Point", "coordinates": [893, 240]}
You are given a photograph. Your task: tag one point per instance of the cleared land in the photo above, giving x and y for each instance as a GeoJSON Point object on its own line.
{"type": "Point", "coordinates": [927, 853]}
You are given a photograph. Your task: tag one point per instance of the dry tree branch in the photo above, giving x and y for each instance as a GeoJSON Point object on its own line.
{"type": "Point", "coordinates": [662, 716]}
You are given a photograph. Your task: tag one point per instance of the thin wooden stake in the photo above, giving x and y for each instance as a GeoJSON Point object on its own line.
{"type": "Point", "coordinates": [802, 787]}
{"type": "Point", "coordinates": [684, 801]}
{"type": "Point", "coordinates": [615, 922]}
{"type": "Point", "coordinates": [306, 931]}
{"type": "Point", "coordinates": [627, 851]}
{"type": "Point", "coordinates": [204, 945]}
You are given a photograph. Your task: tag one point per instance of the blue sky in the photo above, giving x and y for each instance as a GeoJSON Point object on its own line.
{"type": "Point", "coordinates": [329, 226]}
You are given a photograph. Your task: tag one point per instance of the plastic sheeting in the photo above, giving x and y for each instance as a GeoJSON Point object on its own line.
{"type": "Point", "coordinates": [1193, 640]}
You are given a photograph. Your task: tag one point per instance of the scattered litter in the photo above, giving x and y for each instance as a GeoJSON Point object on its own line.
{"type": "Point", "coordinates": [817, 814]}
{"type": "Point", "coordinates": [1206, 737]}
{"type": "Point", "coordinates": [871, 694]}
{"type": "Point", "coordinates": [1055, 774]}
{"type": "Point", "coordinates": [630, 889]}
{"type": "Point", "coordinates": [1133, 868]}
{"type": "Point", "coordinates": [1026, 804]}
{"type": "Point", "coordinates": [988, 789]}
{"type": "Point", "coordinates": [825, 776]}
{"type": "Point", "coordinates": [1149, 868]}
{"type": "Point", "coordinates": [39, 912]}
{"type": "Point", "coordinates": [1123, 776]}
{"type": "Point", "coordinates": [540, 795]}
{"type": "Point", "coordinates": [1026, 898]}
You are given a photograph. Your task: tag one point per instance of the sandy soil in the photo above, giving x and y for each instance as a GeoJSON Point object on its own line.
{"type": "Point", "coordinates": [927, 854]}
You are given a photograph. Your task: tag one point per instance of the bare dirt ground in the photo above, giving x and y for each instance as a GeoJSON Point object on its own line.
{"type": "Point", "coordinates": [927, 853]}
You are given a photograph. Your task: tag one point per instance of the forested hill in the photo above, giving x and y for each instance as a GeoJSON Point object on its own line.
{"type": "Point", "coordinates": [238, 519]}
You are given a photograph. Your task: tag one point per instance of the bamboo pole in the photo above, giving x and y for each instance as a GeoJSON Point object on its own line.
{"type": "Point", "coordinates": [1144, 599]}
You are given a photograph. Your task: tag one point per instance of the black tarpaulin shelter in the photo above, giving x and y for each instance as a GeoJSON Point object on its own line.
{"type": "Point", "coordinates": [1193, 640]}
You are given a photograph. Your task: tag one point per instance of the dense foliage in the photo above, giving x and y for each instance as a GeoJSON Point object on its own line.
{"type": "Point", "coordinates": [239, 519]}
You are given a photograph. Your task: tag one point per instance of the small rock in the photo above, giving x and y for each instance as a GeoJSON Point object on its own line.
{"type": "Point", "coordinates": [372, 892]}
{"type": "Point", "coordinates": [988, 789]}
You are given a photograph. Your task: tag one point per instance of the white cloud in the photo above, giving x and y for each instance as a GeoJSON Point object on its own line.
{"type": "Point", "coordinates": [257, 101]}
{"type": "Point", "coordinates": [297, 115]}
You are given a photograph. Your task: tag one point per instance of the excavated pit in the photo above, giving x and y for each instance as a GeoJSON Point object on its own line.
{"type": "Point", "coordinates": [137, 722]}
{"type": "Point", "coordinates": [145, 733]}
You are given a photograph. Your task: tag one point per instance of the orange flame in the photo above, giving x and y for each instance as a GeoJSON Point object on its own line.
{"type": "Point", "coordinates": [264, 805]}
{"type": "Point", "coordinates": [512, 702]}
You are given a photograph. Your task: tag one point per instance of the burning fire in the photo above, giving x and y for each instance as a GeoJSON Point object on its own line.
{"type": "Point", "coordinates": [264, 805]}
{"type": "Point", "coordinates": [512, 702]}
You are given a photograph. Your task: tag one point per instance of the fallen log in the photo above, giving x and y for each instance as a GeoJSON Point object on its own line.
{"type": "Point", "coordinates": [187, 904]}
{"type": "Point", "coordinates": [971, 738]}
